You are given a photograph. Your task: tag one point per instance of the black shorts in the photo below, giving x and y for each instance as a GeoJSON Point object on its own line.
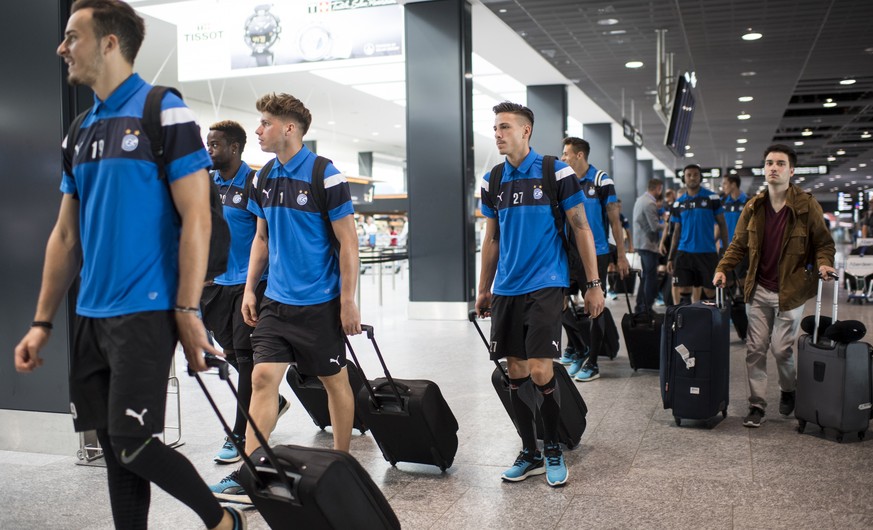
{"type": "Point", "coordinates": [222, 315]}
{"type": "Point", "coordinates": [527, 326]}
{"type": "Point", "coordinates": [310, 336]}
{"type": "Point", "coordinates": [119, 370]}
{"type": "Point", "coordinates": [694, 269]}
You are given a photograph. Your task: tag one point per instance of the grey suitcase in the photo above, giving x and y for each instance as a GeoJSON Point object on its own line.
{"type": "Point", "coordinates": [834, 388]}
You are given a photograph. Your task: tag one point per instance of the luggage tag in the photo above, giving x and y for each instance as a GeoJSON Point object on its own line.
{"type": "Point", "coordinates": [686, 356]}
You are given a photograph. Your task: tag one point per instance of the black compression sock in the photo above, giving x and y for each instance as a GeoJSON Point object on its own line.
{"type": "Point", "coordinates": [523, 411]}
{"type": "Point", "coordinates": [244, 394]}
{"type": "Point", "coordinates": [550, 410]}
{"type": "Point", "coordinates": [168, 469]}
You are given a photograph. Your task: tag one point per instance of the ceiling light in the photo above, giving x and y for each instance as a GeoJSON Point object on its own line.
{"type": "Point", "coordinates": [331, 122]}
{"type": "Point", "coordinates": [617, 31]}
{"type": "Point", "coordinates": [798, 143]}
{"type": "Point", "coordinates": [752, 35]}
{"type": "Point", "coordinates": [853, 169]}
{"type": "Point", "coordinates": [831, 158]}
{"type": "Point", "coordinates": [829, 103]}
{"type": "Point", "coordinates": [502, 10]}
{"type": "Point", "coordinates": [374, 133]}
{"type": "Point", "coordinates": [750, 73]}
{"type": "Point", "coordinates": [741, 149]}
{"type": "Point", "coordinates": [744, 116]}
{"type": "Point", "coordinates": [862, 165]}
{"type": "Point", "coordinates": [865, 135]}
{"type": "Point", "coordinates": [608, 21]}
{"type": "Point", "coordinates": [742, 140]}
{"type": "Point", "coordinates": [355, 140]}
{"type": "Point", "coordinates": [633, 64]}
{"type": "Point", "coordinates": [847, 82]}
{"type": "Point", "coordinates": [745, 99]}
{"type": "Point", "coordinates": [841, 152]}
{"type": "Point", "coordinates": [738, 162]}
{"type": "Point", "coordinates": [738, 166]}
{"type": "Point", "coordinates": [397, 126]}
{"type": "Point", "coordinates": [806, 132]}
{"type": "Point", "coordinates": [689, 155]}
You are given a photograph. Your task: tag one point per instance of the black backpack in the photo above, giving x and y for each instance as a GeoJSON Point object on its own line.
{"type": "Point", "coordinates": [550, 189]}
{"type": "Point", "coordinates": [219, 241]}
{"type": "Point", "coordinates": [319, 194]}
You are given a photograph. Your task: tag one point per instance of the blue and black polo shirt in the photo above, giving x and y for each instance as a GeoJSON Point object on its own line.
{"type": "Point", "coordinates": [532, 256]}
{"type": "Point", "coordinates": [242, 223]}
{"type": "Point", "coordinates": [696, 214]}
{"type": "Point", "coordinates": [128, 225]}
{"type": "Point", "coordinates": [304, 270]}
{"type": "Point", "coordinates": [596, 200]}
{"type": "Point", "coordinates": [733, 208]}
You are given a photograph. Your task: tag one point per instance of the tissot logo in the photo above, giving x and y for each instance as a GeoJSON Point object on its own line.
{"type": "Point", "coordinates": [203, 32]}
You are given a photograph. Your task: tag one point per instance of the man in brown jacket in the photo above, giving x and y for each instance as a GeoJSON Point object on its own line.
{"type": "Point", "coordinates": [782, 230]}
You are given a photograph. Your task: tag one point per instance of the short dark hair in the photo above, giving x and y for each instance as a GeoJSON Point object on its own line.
{"type": "Point", "coordinates": [285, 106]}
{"type": "Point", "coordinates": [232, 130]}
{"type": "Point", "coordinates": [690, 166]}
{"type": "Point", "coordinates": [578, 144]}
{"type": "Point", "coordinates": [733, 178]}
{"type": "Point", "coordinates": [114, 17]}
{"type": "Point", "coordinates": [515, 108]}
{"type": "Point", "coordinates": [654, 183]}
{"type": "Point", "coordinates": [782, 148]}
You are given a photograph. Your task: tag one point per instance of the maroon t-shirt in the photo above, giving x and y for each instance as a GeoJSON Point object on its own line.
{"type": "Point", "coordinates": [771, 250]}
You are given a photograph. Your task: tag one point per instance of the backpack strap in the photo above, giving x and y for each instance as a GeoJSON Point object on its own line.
{"type": "Point", "coordinates": [550, 188]}
{"type": "Point", "coordinates": [262, 179]}
{"type": "Point", "coordinates": [598, 177]}
{"type": "Point", "coordinates": [151, 124]}
{"type": "Point", "coordinates": [319, 195]}
{"type": "Point", "coordinates": [495, 178]}
{"type": "Point", "coordinates": [73, 132]}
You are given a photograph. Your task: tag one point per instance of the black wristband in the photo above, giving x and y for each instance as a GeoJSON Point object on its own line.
{"type": "Point", "coordinates": [41, 324]}
{"type": "Point", "coordinates": [593, 283]}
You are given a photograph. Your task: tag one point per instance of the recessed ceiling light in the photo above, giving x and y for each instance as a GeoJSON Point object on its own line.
{"type": "Point", "coordinates": [688, 148]}
{"type": "Point", "coordinates": [798, 143]}
{"type": "Point", "coordinates": [806, 132]}
{"type": "Point", "coordinates": [608, 21]}
{"type": "Point", "coordinates": [617, 31]}
{"type": "Point", "coordinates": [502, 10]}
{"type": "Point", "coordinates": [331, 122]}
{"type": "Point", "coordinates": [745, 99]}
{"type": "Point", "coordinates": [750, 73]}
{"type": "Point", "coordinates": [847, 82]}
{"type": "Point", "coordinates": [752, 35]}
{"type": "Point", "coordinates": [374, 133]}
{"type": "Point", "coordinates": [397, 126]}
{"type": "Point", "coordinates": [862, 164]}
{"type": "Point", "coordinates": [865, 134]}
{"type": "Point", "coordinates": [738, 166]}
{"type": "Point", "coordinates": [738, 162]}
{"type": "Point", "coordinates": [742, 140]}
{"type": "Point", "coordinates": [633, 64]}
{"type": "Point", "coordinates": [689, 155]}
{"type": "Point", "coordinates": [744, 116]}
{"type": "Point", "coordinates": [853, 169]}
{"type": "Point", "coordinates": [829, 103]}
{"type": "Point", "coordinates": [831, 158]}
{"type": "Point", "coordinates": [741, 149]}
{"type": "Point", "coordinates": [841, 152]}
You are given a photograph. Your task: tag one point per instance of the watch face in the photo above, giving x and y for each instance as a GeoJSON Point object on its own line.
{"type": "Point", "coordinates": [315, 43]}
{"type": "Point", "coordinates": [262, 30]}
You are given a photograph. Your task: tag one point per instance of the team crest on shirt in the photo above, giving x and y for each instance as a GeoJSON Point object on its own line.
{"type": "Point", "coordinates": [129, 142]}
{"type": "Point", "coordinates": [302, 199]}
{"type": "Point", "coordinates": [703, 203]}
{"type": "Point", "coordinates": [591, 191]}
{"type": "Point", "coordinates": [237, 198]}
{"type": "Point", "coordinates": [538, 193]}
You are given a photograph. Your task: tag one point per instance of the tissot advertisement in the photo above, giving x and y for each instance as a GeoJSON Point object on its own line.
{"type": "Point", "coordinates": [237, 37]}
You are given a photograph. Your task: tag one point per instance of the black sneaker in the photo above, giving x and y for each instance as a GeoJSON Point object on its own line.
{"type": "Point", "coordinates": [786, 403]}
{"type": "Point", "coordinates": [755, 417]}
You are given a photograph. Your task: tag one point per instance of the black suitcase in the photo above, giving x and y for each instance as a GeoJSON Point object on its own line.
{"type": "Point", "coordinates": [409, 418]}
{"type": "Point", "coordinates": [642, 337]}
{"type": "Point", "coordinates": [834, 387]}
{"type": "Point", "coordinates": [313, 397]}
{"type": "Point", "coordinates": [695, 360]}
{"type": "Point", "coordinates": [302, 487]}
{"type": "Point", "coordinates": [573, 408]}
{"type": "Point", "coordinates": [618, 286]}
{"type": "Point", "coordinates": [577, 325]}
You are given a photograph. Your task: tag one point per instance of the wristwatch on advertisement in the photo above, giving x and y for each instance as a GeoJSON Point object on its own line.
{"type": "Point", "coordinates": [262, 32]}
{"type": "Point", "coordinates": [315, 42]}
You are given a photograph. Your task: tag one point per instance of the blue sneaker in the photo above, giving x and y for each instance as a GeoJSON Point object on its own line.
{"type": "Point", "coordinates": [578, 363]}
{"type": "Point", "coordinates": [228, 453]}
{"type": "Point", "coordinates": [589, 372]}
{"type": "Point", "coordinates": [569, 356]}
{"type": "Point", "coordinates": [524, 466]}
{"type": "Point", "coordinates": [611, 295]}
{"type": "Point", "coordinates": [239, 520]}
{"type": "Point", "coordinates": [556, 471]}
{"type": "Point", "coordinates": [230, 490]}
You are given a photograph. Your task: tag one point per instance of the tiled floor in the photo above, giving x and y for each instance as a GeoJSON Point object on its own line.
{"type": "Point", "coordinates": [634, 469]}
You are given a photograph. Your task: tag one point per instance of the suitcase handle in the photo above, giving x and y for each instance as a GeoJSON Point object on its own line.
{"type": "Point", "coordinates": [836, 279]}
{"type": "Point", "coordinates": [632, 271]}
{"type": "Point", "coordinates": [472, 316]}
{"type": "Point", "coordinates": [368, 329]}
{"type": "Point", "coordinates": [291, 483]}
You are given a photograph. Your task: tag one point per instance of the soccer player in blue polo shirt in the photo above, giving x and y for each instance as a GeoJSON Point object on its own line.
{"type": "Point", "coordinates": [522, 255]}
{"type": "Point", "coordinates": [693, 256]}
{"type": "Point", "coordinates": [603, 212]}
{"type": "Point", "coordinates": [734, 201]}
{"type": "Point", "coordinates": [142, 243]}
{"type": "Point", "coordinates": [309, 303]}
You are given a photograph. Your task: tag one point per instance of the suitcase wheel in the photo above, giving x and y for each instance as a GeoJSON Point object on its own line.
{"type": "Point", "coordinates": [801, 426]}
{"type": "Point", "coordinates": [678, 420]}
{"type": "Point", "coordinates": [840, 438]}
{"type": "Point", "coordinates": [393, 463]}
{"type": "Point", "coordinates": [861, 435]}
{"type": "Point", "coordinates": [724, 413]}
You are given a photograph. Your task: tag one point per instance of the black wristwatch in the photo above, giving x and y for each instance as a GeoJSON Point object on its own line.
{"type": "Point", "coordinates": [593, 283]}
{"type": "Point", "coordinates": [262, 32]}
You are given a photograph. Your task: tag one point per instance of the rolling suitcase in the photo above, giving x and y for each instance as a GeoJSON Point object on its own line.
{"type": "Point", "coordinates": [833, 380]}
{"type": "Point", "coordinates": [577, 326]}
{"type": "Point", "coordinates": [313, 397]}
{"type": "Point", "coordinates": [296, 487]}
{"type": "Point", "coordinates": [695, 359]}
{"type": "Point", "coordinates": [642, 337]}
{"type": "Point", "coordinates": [573, 409]}
{"type": "Point", "coordinates": [409, 418]}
